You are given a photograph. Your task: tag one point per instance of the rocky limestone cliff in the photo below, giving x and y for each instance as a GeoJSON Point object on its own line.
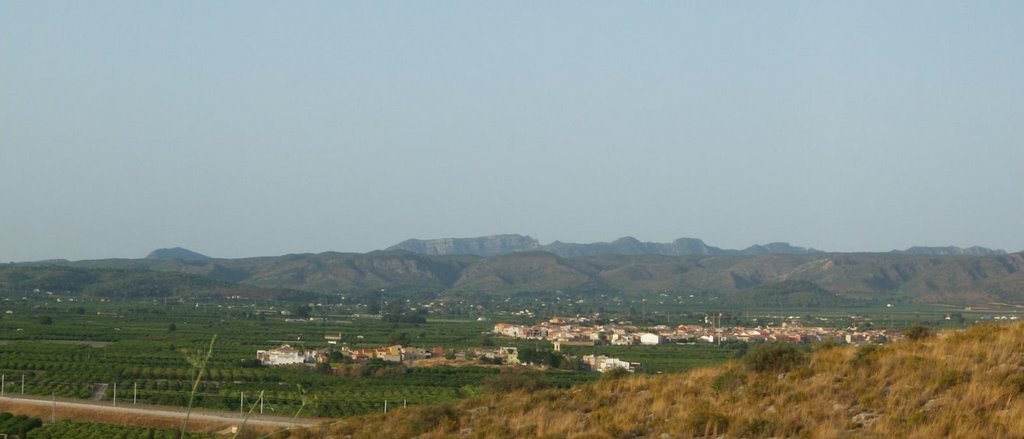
{"type": "Point", "coordinates": [481, 246]}
{"type": "Point", "coordinates": [951, 251]}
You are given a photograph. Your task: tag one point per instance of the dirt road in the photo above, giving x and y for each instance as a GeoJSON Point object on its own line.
{"type": "Point", "coordinates": [142, 415]}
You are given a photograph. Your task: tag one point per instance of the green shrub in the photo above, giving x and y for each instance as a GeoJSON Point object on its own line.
{"type": "Point", "coordinates": [774, 357]}
{"type": "Point", "coordinates": [614, 374]}
{"type": "Point", "coordinates": [704, 420]}
{"type": "Point", "coordinates": [510, 380]}
{"type": "Point", "coordinates": [415, 421]}
{"type": "Point", "coordinates": [917, 332]}
{"type": "Point", "coordinates": [756, 427]}
{"type": "Point", "coordinates": [864, 356]}
{"type": "Point", "coordinates": [826, 344]}
{"type": "Point", "coordinates": [948, 378]}
{"type": "Point", "coordinates": [729, 380]}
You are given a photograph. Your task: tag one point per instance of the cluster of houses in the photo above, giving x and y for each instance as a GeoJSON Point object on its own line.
{"type": "Point", "coordinates": [564, 332]}
{"type": "Point", "coordinates": [787, 332]}
{"type": "Point", "coordinates": [286, 355]}
{"type": "Point", "coordinates": [570, 333]}
{"type": "Point", "coordinates": [396, 353]}
{"type": "Point", "coordinates": [507, 355]}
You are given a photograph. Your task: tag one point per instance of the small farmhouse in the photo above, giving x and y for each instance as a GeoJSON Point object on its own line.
{"type": "Point", "coordinates": [285, 355]}
{"type": "Point", "coordinates": [601, 363]}
{"type": "Point", "coordinates": [650, 339]}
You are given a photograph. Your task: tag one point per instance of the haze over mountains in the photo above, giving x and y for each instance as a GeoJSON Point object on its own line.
{"type": "Point", "coordinates": [950, 250]}
{"type": "Point", "coordinates": [512, 264]}
{"type": "Point", "coordinates": [494, 245]}
{"type": "Point", "coordinates": [183, 254]}
{"type": "Point", "coordinates": [504, 244]}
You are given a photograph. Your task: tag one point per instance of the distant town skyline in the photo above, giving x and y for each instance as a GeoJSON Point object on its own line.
{"type": "Point", "coordinates": [237, 129]}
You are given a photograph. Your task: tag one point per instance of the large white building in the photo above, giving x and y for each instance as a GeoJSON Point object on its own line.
{"type": "Point", "coordinates": [650, 339]}
{"type": "Point", "coordinates": [602, 363]}
{"type": "Point", "coordinates": [285, 355]}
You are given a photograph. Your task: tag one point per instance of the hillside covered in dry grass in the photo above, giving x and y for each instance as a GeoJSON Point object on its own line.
{"type": "Point", "coordinates": [967, 384]}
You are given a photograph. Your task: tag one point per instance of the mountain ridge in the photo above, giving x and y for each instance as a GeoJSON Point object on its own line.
{"type": "Point", "coordinates": [952, 250]}
{"type": "Point", "coordinates": [179, 253]}
{"type": "Point", "coordinates": [950, 279]}
{"type": "Point", "coordinates": [494, 245]}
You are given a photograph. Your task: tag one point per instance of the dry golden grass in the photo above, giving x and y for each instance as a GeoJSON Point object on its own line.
{"type": "Point", "coordinates": [965, 384]}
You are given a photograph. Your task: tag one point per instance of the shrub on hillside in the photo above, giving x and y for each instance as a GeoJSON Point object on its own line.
{"type": "Point", "coordinates": [510, 380]}
{"type": "Point", "coordinates": [614, 374]}
{"type": "Point", "coordinates": [863, 356]}
{"type": "Point", "coordinates": [420, 420]}
{"type": "Point", "coordinates": [774, 357]}
{"type": "Point", "coordinates": [731, 379]}
{"type": "Point", "coordinates": [826, 344]}
{"type": "Point", "coordinates": [756, 427]}
{"type": "Point", "coordinates": [917, 332]}
{"type": "Point", "coordinates": [705, 421]}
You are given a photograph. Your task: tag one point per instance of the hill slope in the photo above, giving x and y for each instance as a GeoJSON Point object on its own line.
{"type": "Point", "coordinates": [183, 254]}
{"type": "Point", "coordinates": [121, 283]}
{"type": "Point", "coordinates": [964, 384]}
{"type": "Point", "coordinates": [850, 276]}
{"type": "Point", "coordinates": [951, 250]}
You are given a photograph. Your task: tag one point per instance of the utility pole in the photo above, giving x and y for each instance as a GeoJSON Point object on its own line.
{"type": "Point", "coordinates": [135, 394]}
{"type": "Point", "coordinates": [241, 402]}
{"type": "Point", "coordinates": [22, 384]}
{"type": "Point", "coordinates": [115, 394]}
{"type": "Point", "coordinates": [385, 406]}
{"type": "Point", "coordinates": [3, 379]}
{"type": "Point", "coordinates": [719, 329]}
{"type": "Point", "coordinates": [53, 413]}
{"type": "Point", "coordinates": [261, 403]}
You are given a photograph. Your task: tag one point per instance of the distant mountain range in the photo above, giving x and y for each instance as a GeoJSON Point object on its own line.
{"type": "Point", "coordinates": [495, 245]}
{"type": "Point", "coordinates": [945, 251]}
{"type": "Point", "coordinates": [813, 277]}
{"type": "Point", "coordinates": [509, 264]}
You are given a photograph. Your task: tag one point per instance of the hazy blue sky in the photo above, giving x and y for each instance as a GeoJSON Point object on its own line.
{"type": "Point", "coordinates": [248, 128]}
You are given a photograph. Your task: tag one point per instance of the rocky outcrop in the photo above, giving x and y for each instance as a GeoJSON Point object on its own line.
{"type": "Point", "coordinates": [951, 251]}
{"type": "Point", "coordinates": [481, 246]}
{"type": "Point", "coordinates": [181, 254]}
